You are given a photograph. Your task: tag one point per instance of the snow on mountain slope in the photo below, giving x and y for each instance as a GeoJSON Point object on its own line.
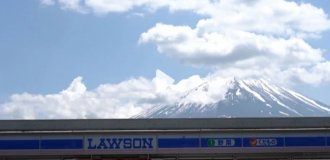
{"type": "Point", "coordinates": [238, 98]}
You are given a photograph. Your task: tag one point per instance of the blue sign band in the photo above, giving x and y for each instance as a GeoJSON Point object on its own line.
{"type": "Point", "coordinates": [19, 144]}
{"type": "Point", "coordinates": [61, 144]}
{"type": "Point", "coordinates": [305, 141]}
{"type": "Point", "coordinates": [178, 142]}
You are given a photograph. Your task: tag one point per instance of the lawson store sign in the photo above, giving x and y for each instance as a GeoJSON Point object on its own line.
{"type": "Point", "coordinates": [112, 142]}
{"type": "Point", "coordinates": [87, 143]}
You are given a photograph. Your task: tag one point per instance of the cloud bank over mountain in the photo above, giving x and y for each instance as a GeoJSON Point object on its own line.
{"type": "Point", "coordinates": [120, 100]}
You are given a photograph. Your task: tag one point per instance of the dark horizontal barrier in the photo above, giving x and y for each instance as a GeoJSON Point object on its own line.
{"type": "Point", "coordinates": [165, 124]}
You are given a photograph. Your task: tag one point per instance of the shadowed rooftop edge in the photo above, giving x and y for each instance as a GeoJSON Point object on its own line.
{"type": "Point", "coordinates": [165, 124]}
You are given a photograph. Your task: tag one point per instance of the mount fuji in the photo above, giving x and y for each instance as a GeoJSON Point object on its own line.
{"type": "Point", "coordinates": [238, 98]}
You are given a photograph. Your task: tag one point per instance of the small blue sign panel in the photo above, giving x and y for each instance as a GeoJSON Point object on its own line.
{"type": "Point", "coordinates": [263, 142]}
{"type": "Point", "coordinates": [305, 141]}
{"type": "Point", "coordinates": [328, 141]}
{"type": "Point", "coordinates": [178, 142]}
{"type": "Point", "coordinates": [221, 142]}
{"type": "Point", "coordinates": [61, 144]}
{"type": "Point", "coordinates": [19, 144]}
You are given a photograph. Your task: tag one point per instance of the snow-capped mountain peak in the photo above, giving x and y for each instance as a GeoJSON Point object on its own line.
{"type": "Point", "coordinates": [218, 97]}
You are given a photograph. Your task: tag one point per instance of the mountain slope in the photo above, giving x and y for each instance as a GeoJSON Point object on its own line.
{"type": "Point", "coordinates": [245, 98]}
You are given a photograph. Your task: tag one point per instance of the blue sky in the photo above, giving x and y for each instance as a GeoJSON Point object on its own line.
{"type": "Point", "coordinates": [44, 48]}
{"type": "Point", "coordinates": [45, 45]}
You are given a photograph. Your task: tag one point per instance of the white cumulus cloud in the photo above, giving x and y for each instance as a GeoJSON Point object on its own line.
{"type": "Point", "coordinates": [121, 100]}
{"type": "Point", "coordinates": [234, 48]}
{"type": "Point", "coordinates": [107, 101]}
{"type": "Point", "coordinates": [248, 36]}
